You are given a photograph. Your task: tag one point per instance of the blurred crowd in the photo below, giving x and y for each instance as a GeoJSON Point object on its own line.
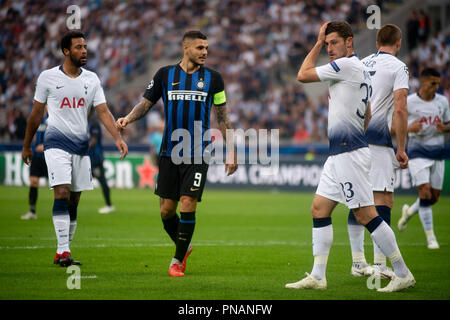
{"type": "Point", "coordinates": [256, 45]}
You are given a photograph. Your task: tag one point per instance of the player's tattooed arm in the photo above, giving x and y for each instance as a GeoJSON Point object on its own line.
{"type": "Point", "coordinates": [226, 129]}
{"type": "Point", "coordinates": [137, 113]}
{"type": "Point", "coordinates": [222, 119]}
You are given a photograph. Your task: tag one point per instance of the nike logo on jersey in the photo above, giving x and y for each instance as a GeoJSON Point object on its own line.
{"type": "Point", "coordinates": [195, 189]}
{"type": "Point", "coordinates": [59, 87]}
{"type": "Point", "coordinates": [175, 83]}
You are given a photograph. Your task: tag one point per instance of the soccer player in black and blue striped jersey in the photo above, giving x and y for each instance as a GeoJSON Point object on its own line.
{"type": "Point", "coordinates": [188, 90]}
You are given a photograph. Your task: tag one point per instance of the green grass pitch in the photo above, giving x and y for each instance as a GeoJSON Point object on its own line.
{"type": "Point", "coordinates": [247, 245]}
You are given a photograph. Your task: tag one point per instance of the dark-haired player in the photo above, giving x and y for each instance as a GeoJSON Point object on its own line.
{"type": "Point", "coordinates": [69, 92]}
{"type": "Point", "coordinates": [188, 90]}
{"type": "Point", "coordinates": [345, 176]}
{"type": "Point", "coordinates": [428, 119]}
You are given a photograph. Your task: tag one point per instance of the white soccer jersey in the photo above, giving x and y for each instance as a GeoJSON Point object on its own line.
{"type": "Point", "coordinates": [349, 92]}
{"type": "Point", "coordinates": [69, 101]}
{"type": "Point", "coordinates": [427, 143]}
{"type": "Point", "coordinates": [387, 74]}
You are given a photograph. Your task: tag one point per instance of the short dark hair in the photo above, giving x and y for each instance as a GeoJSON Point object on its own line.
{"type": "Point", "coordinates": [194, 34]}
{"type": "Point", "coordinates": [388, 35]}
{"type": "Point", "coordinates": [429, 72]}
{"type": "Point", "coordinates": [343, 29]}
{"type": "Point", "coordinates": [66, 40]}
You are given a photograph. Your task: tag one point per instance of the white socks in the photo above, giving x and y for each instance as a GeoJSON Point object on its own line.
{"type": "Point", "coordinates": [414, 207]}
{"type": "Point", "coordinates": [384, 237]}
{"type": "Point", "coordinates": [356, 235]}
{"type": "Point", "coordinates": [322, 238]}
{"type": "Point", "coordinates": [426, 217]}
{"type": "Point", "coordinates": [61, 223]}
{"type": "Point", "coordinates": [72, 228]}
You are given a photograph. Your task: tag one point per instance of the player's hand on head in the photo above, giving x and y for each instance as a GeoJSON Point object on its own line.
{"type": "Point", "coordinates": [321, 36]}
{"type": "Point", "coordinates": [26, 155]}
{"type": "Point", "coordinates": [123, 148]}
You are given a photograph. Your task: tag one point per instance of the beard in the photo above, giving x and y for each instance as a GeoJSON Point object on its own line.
{"type": "Point", "coordinates": [76, 62]}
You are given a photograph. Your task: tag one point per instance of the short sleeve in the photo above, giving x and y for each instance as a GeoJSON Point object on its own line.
{"type": "Point", "coordinates": [219, 97]}
{"type": "Point", "coordinates": [41, 93]}
{"type": "Point", "coordinates": [99, 95]}
{"type": "Point", "coordinates": [154, 89]}
{"type": "Point", "coordinates": [335, 70]}
{"type": "Point", "coordinates": [401, 78]}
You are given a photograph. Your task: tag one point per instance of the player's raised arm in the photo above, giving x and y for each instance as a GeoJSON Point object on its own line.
{"type": "Point", "coordinates": [137, 113]}
{"type": "Point", "coordinates": [307, 72]}
{"type": "Point", "coordinates": [107, 119]}
{"type": "Point", "coordinates": [224, 125]}
{"type": "Point", "coordinates": [33, 123]}
{"type": "Point", "coordinates": [400, 124]}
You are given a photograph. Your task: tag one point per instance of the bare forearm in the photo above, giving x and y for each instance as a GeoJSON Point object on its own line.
{"type": "Point", "coordinates": [307, 73]}
{"type": "Point", "coordinates": [400, 122]}
{"type": "Point", "coordinates": [33, 124]}
{"type": "Point", "coordinates": [367, 117]}
{"type": "Point", "coordinates": [139, 110]}
{"type": "Point", "coordinates": [223, 120]}
{"type": "Point", "coordinates": [400, 118]}
{"type": "Point", "coordinates": [108, 121]}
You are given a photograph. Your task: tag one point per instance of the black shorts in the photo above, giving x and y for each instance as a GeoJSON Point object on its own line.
{"type": "Point", "coordinates": [176, 180]}
{"type": "Point", "coordinates": [38, 167]}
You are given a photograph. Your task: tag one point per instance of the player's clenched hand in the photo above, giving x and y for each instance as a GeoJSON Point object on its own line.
{"type": "Point", "coordinates": [123, 148]}
{"type": "Point", "coordinates": [26, 155]}
{"type": "Point", "coordinates": [440, 127]}
{"type": "Point", "coordinates": [121, 123]}
{"type": "Point", "coordinates": [416, 126]}
{"type": "Point", "coordinates": [402, 159]}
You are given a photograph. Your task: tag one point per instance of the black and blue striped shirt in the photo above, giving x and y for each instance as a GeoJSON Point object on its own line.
{"type": "Point", "coordinates": [187, 99]}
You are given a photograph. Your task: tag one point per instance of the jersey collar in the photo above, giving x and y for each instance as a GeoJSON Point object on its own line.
{"type": "Point", "coordinates": [353, 55]}
{"type": "Point", "coordinates": [62, 70]}
{"type": "Point", "coordinates": [382, 52]}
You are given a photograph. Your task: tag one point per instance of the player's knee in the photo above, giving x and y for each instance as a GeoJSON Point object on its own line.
{"type": "Point", "coordinates": [434, 198]}
{"type": "Point", "coordinates": [425, 192]}
{"type": "Point", "coordinates": [188, 204]}
{"type": "Point", "coordinates": [167, 214]}
{"type": "Point", "coordinates": [62, 192]}
{"type": "Point", "coordinates": [315, 211]}
{"type": "Point", "coordinates": [34, 182]}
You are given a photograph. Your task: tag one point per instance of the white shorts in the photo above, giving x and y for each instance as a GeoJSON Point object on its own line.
{"type": "Point", "coordinates": [382, 171]}
{"type": "Point", "coordinates": [427, 171]}
{"type": "Point", "coordinates": [345, 179]}
{"type": "Point", "coordinates": [67, 168]}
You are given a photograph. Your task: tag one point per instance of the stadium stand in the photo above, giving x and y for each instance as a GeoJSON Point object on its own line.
{"type": "Point", "coordinates": [256, 45]}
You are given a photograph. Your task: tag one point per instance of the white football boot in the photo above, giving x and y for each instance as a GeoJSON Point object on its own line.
{"type": "Point", "coordinates": [308, 283]}
{"type": "Point", "coordinates": [397, 283]}
{"type": "Point", "coordinates": [361, 269]}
